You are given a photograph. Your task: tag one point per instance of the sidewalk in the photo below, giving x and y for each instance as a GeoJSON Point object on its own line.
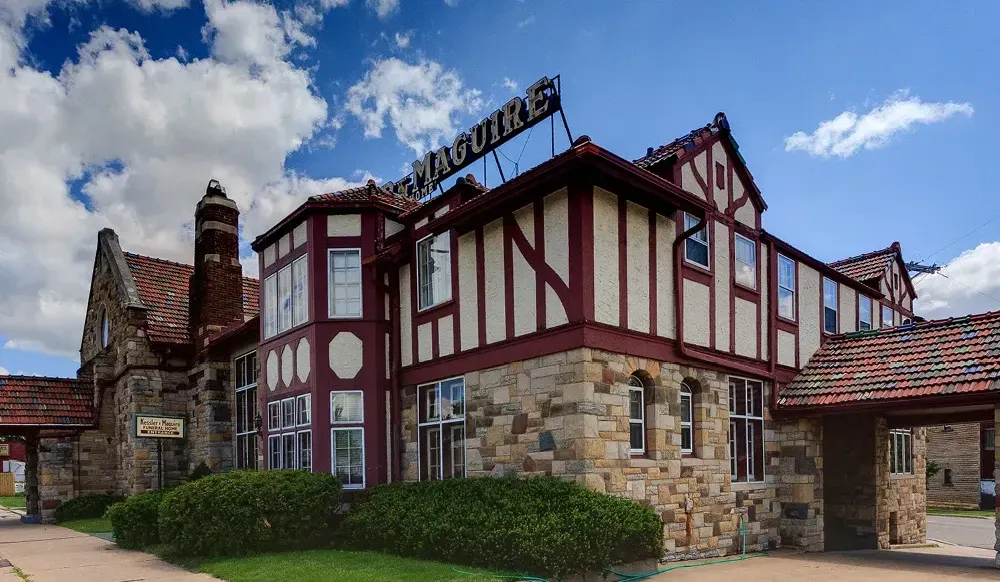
{"type": "Point", "coordinates": [49, 553]}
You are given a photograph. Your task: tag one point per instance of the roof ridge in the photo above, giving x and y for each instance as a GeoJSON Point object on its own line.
{"type": "Point", "coordinates": [919, 325]}
{"type": "Point", "coordinates": [157, 259]}
{"type": "Point", "coordinates": [893, 248]}
{"type": "Point", "coordinates": [36, 378]}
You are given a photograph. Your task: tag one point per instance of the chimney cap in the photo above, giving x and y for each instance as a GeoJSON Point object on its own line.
{"type": "Point", "coordinates": [215, 188]}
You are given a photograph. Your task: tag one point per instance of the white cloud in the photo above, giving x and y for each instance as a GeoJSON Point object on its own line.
{"type": "Point", "coordinates": [452, 3]}
{"type": "Point", "coordinates": [527, 21]}
{"type": "Point", "coordinates": [383, 8]}
{"type": "Point", "coordinates": [4, 372]}
{"type": "Point", "coordinates": [510, 84]}
{"type": "Point", "coordinates": [423, 102]}
{"type": "Point", "coordinates": [403, 39]}
{"type": "Point", "coordinates": [165, 5]}
{"type": "Point", "coordinates": [964, 285]}
{"type": "Point", "coordinates": [845, 134]}
{"type": "Point", "coordinates": [139, 138]}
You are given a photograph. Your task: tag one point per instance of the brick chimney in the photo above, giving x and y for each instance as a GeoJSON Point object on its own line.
{"type": "Point", "coordinates": [216, 290]}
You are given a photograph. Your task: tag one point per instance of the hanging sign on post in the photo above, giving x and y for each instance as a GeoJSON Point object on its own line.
{"type": "Point", "coordinates": [159, 427]}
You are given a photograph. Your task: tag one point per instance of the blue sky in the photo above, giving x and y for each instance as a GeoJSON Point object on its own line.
{"type": "Point", "coordinates": [634, 75]}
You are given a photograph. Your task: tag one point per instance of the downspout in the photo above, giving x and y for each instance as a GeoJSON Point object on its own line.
{"type": "Point", "coordinates": [772, 320]}
{"type": "Point", "coordinates": [395, 430]}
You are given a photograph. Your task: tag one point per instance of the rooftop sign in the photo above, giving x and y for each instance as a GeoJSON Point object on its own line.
{"type": "Point", "coordinates": [517, 115]}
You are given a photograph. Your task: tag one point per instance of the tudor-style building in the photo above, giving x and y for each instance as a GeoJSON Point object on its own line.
{"type": "Point", "coordinates": [623, 324]}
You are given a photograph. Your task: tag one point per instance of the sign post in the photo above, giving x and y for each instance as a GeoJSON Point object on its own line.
{"type": "Point", "coordinates": [155, 426]}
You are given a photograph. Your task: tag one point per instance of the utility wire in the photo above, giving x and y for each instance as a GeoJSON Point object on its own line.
{"type": "Point", "coordinates": [958, 239]}
{"type": "Point", "coordinates": [983, 293]}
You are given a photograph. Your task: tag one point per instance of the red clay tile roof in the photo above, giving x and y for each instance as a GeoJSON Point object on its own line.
{"type": "Point", "coordinates": [686, 142]}
{"type": "Point", "coordinates": [163, 287]}
{"type": "Point", "coordinates": [869, 265]}
{"type": "Point", "coordinates": [36, 400]}
{"type": "Point", "coordinates": [924, 359]}
{"type": "Point", "coordinates": [369, 193]}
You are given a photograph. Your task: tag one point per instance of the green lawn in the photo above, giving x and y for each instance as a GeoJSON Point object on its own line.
{"type": "Point", "coordinates": [962, 513]}
{"type": "Point", "coordinates": [334, 566]}
{"type": "Point", "coordinates": [88, 526]}
{"type": "Point", "coordinates": [15, 502]}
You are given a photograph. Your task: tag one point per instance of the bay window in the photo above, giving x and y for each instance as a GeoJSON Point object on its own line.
{"type": "Point", "coordinates": [434, 270]}
{"type": "Point", "coordinates": [286, 298]}
{"type": "Point", "coordinates": [864, 313]}
{"type": "Point", "coordinates": [829, 306]}
{"type": "Point", "coordinates": [746, 430]}
{"type": "Point", "coordinates": [345, 282]}
{"type": "Point", "coordinates": [746, 262]}
{"type": "Point", "coordinates": [441, 429]}
{"type": "Point", "coordinates": [786, 287]}
{"type": "Point", "coordinates": [289, 441]}
{"type": "Point", "coordinates": [696, 245]}
{"type": "Point", "coordinates": [245, 382]}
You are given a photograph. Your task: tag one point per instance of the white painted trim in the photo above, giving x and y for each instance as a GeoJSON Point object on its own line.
{"type": "Point", "coordinates": [416, 249]}
{"type": "Point", "coordinates": [339, 422]}
{"type": "Point", "coordinates": [439, 423]}
{"type": "Point", "coordinates": [329, 284]}
{"type": "Point", "coordinates": [707, 242]}
{"type": "Point", "coordinates": [333, 455]}
{"type": "Point", "coordinates": [277, 404]}
{"type": "Point", "coordinates": [298, 450]}
{"type": "Point", "coordinates": [736, 261]}
{"type": "Point", "coordinates": [794, 289]}
{"type": "Point", "coordinates": [298, 416]}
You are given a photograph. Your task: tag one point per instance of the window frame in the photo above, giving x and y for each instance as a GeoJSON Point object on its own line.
{"type": "Point", "coordinates": [334, 393]}
{"type": "Point", "coordinates": [692, 238]}
{"type": "Point", "coordinates": [892, 316]}
{"type": "Point", "coordinates": [295, 451]}
{"type": "Point", "coordinates": [640, 388]}
{"type": "Point", "coordinates": [276, 404]}
{"type": "Point", "coordinates": [105, 337]}
{"type": "Point", "coordinates": [333, 455]}
{"type": "Point", "coordinates": [302, 260]}
{"type": "Point", "coordinates": [249, 434]}
{"type": "Point", "coordinates": [904, 437]}
{"type": "Point", "coordinates": [434, 301]}
{"type": "Point", "coordinates": [271, 438]}
{"type": "Point", "coordinates": [748, 417]}
{"type": "Point", "coordinates": [329, 284]}
{"type": "Point", "coordinates": [307, 398]}
{"type": "Point", "coordinates": [736, 261]}
{"type": "Point", "coordinates": [984, 442]}
{"type": "Point", "coordinates": [439, 423]}
{"type": "Point", "coordinates": [871, 317]}
{"type": "Point", "coordinates": [793, 290]}
{"type": "Point", "coordinates": [687, 394]}
{"type": "Point", "coordinates": [285, 425]}
{"type": "Point", "coordinates": [835, 308]}
{"type": "Point", "coordinates": [272, 310]}
{"type": "Point", "coordinates": [298, 450]}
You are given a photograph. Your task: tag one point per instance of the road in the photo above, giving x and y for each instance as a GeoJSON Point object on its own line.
{"type": "Point", "coordinates": [962, 531]}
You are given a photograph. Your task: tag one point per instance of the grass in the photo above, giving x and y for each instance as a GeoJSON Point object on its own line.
{"type": "Point", "coordinates": [962, 513]}
{"type": "Point", "coordinates": [335, 566]}
{"type": "Point", "coordinates": [88, 526]}
{"type": "Point", "coordinates": [15, 502]}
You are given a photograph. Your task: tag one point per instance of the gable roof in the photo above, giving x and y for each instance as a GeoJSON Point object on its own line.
{"type": "Point", "coordinates": [163, 287]}
{"type": "Point", "coordinates": [958, 355]}
{"type": "Point", "coordinates": [868, 265]}
{"type": "Point", "coordinates": [37, 400]}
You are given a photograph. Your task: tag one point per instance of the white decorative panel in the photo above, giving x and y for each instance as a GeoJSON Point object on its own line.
{"type": "Point", "coordinates": [302, 362]}
{"type": "Point", "coordinates": [346, 354]}
{"type": "Point", "coordinates": [300, 235]}
{"type": "Point", "coordinates": [269, 256]}
{"type": "Point", "coordinates": [392, 227]}
{"type": "Point", "coordinates": [446, 336]}
{"type": "Point", "coordinates": [405, 325]}
{"type": "Point", "coordinates": [284, 245]}
{"type": "Point", "coordinates": [425, 347]}
{"type": "Point", "coordinates": [287, 365]}
{"type": "Point", "coordinates": [343, 225]}
{"type": "Point", "coordinates": [606, 303]}
{"type": "Point", "coordinates": [388, 357]}
{"type": "Point", "coordinates": [272, 371]}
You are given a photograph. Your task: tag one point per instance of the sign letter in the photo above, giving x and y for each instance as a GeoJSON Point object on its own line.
{"type": "Point", "coordinates": [512, 116]}
{"type": "Point", "coordinates": [538, 101]}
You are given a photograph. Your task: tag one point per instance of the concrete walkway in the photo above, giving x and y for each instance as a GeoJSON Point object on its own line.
{"type": "Point", "coordinates": [49, 553]}
{"type": "Point", "coordinates": [975, 532]}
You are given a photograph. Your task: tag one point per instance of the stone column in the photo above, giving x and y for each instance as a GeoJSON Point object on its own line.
{"type": "Point", "coordinates": [31, 476]}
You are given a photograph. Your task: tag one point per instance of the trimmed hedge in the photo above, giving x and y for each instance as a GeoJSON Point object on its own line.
{"type": "Point", "coordinates": [539, 525]}
{"type": "Point", "coordinates": [86, 506]}
{"type": "Point", "coordinates": [247, 511]}
{"type": "Point", "coordinates": [135, 520]}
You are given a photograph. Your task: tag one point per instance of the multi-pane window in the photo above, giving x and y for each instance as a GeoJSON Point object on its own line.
{"type": "Point", "coordinates": [348, 443]}
{"type": "Point", "coordinates": [345, 282]}
{"type": "Point", "coordinates": [900, 451]}
{"type": "Point", "coordinates": [441, 429]}
{"type": "Point", "coordinates": [347, 407]}
{"type": "Point", "coordinates": [786, 287]}
{"type": "Point", "coordinates": [887, 315]}
{"type": "Point", "coordinates": [245, 382]}
{"type": "Point", "coordinates": [989, 439]}
{"type": "Point", "coordinates": [434, 270]}
{"type": "Point", "coordinates": [289, 441]}
{"type": "Point", "coordinates": [696, 245]}
{"type": "Point", "coordinates": [829, 306]}
{"type": "Point", "coordinates": [286, 298]}
{"type": "Point", "coordinates": [864, 313]}
{"type": "Point", "coordinates": [746, 430]}
{"type": "Point", "coordinates": [636, 415]}
{"type": "Point", "coordinates": [687, 428]}
{"type": "Point", "coordinates": [746, 262]}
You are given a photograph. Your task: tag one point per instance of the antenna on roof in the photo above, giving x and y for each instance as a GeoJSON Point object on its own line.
{"type": "Point", "coordinates": [918, 268]}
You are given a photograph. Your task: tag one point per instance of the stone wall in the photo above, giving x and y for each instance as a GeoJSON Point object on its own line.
{"type": "Point", "coordinates": [566, 415]}
{"type": "Point", "coordinates": [955, 450]}
{"type": "Point", "coordinates": [905, 511]}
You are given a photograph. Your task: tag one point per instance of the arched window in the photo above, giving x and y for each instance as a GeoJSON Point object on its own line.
{"type": "Point", "coordinates": [105, 329]}
{"type": "Point", "coordinates": [687, 414]}
{"type": "Point", "coordinates": [637, 415]}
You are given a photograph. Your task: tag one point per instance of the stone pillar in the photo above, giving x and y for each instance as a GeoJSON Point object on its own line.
{"type": "Point", "coordinates": [882, 482]}
{"type": "Point", "coordinates": [996, 485]}
{"type": "Point", "coordinates": [32, 501]}
{"type": "Point", "coordinates": [800, 482]}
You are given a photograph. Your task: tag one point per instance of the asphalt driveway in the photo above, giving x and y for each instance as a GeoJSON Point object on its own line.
{"type": "Point", "coordinates": [962, 531]}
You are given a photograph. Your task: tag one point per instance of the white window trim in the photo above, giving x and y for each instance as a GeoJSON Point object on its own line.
{"type": "Point", "coordinates": [295, 419]}
{"type": "Point", "coordinates": [268, 314]}
{"type": "Point", "coordinates": [270, 438]}
{"type": "Point", "coordinates": [907, 460]}
{"type": "Point", "coordinates": [346, 422]}
{"type": "Point", "coordinates": [642, 412]}
{"type": "Point", "coordinates": [753, 246]}
{"type": "Point", "coordinates": [298, 415]}
{"type": "Point", "coordinates": [291, 295]}
{"type": "Point", "coordinates": [305, 291]}
{"type": "Point", "coordinates": [329, 284]}
{"type": "Point", "coordinates": [892, 318]}
{"type": "Point", "coordinates": [707, 242]}
{"type": "Point", "coordinates": [251, 428]}
{"type": "Point", "coordinates": [442, 301]}
{"type": "Point", "coordinates": [440, 423]}
{"type": "Point", "coordinates": [689, 396]}
{"type": "Point", "coordinates": [333, 455]}
{"type": "Point", "coordinates": [871, 312]}
{"type": "Point", "coordinates": [792, 290]}
{"type": "Point", "coordinates": [835, 308]}
{"type": "Point", "coordinates": [295, 451]}
{"type": "Point", "coordinates": [298, 450]}
{"type": "Point", "coordinates": [275, 404]}
{"type": "Point", "coordinates": [748, 416]}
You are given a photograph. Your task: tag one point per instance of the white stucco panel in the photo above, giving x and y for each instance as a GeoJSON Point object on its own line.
{"type": "Point", "coordinates": [606, 301]}
{"type": "Point", "coordinates": [287, 365]}
{"type": "Point", "coordinates": [720, 245]}
{"type": "Point", "coordinates": [764, 297]}
{"type": "Point", "coordinates": [665, 234]}
{"type": "Point", "coordinates": [525, 300]}
{"type": "Point", "coordinates": [555, 313]}
{"type": "Point", "coordinates": [425, 343]}
{"type": "Point", "coordinates": [300, 235]}
{"type": "Point", "coordinates": [446, 336]}
{"type": "Point", "coordinates": [303, 359]}
{"type": "Point", "coordinates": [388, 356]}
{"type": "Point", "coordinates": [696, 310]}
{"type": "Point", "coordinates": [405, 318]}
{"type": "Point", "coordinates": [496, 303]}
{"type": "Point", "coordinates": [810, 318]}
{"type": "Point", "coordinates": [908, 303]}
{"type": "Point", "coordinates": [284, 245]}
{"type": "Point", "coordinates": [525, 219]}
{"type": "Point", "coordinates": [746, 213]}
{"type": "Point", "coordinates": [746, 328]}
{"type": "Point", "coordinates": [848, 309]}
{"type": "Point", "coordinates": [468, 294]}
{"type": "Point", "coordinates": [346, 353]}
{"type": "Point", "coordinates": [556, 233]}
{"type": "Point", "coordinates": [637, 253]}
{"type": "Point", "coordinates": [392, 227]}
{"type": "Point", "coordinates": [721, 194]}
{"type": "Point", "coordinates": [269, 255]}
{"type": "Point", "coordinates": [786, 348]}
{"type": "Point", "coordinates": [272, 370]}
{"type": "Point", "coordinates": [343, 225]}
{"type": "Point", "coordinates": [689, 182]}
{"type": "Point", "coordinates": [442, 211]}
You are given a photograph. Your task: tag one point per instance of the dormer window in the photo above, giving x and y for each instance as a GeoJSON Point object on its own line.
{"type": "Point", "coordinates": [434, 270]}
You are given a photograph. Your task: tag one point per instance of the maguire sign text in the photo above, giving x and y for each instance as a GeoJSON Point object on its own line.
{"type": "Point", "coordinates": [159, 427]}
{"type": "Point", "coordinates": [515, 116]}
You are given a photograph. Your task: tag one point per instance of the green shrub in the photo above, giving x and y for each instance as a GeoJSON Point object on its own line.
{"type": "Point", "coordinates": [247, 511]}
{"type": "Point", "coordinates": [86, 506]}
{"type": "Point", "coordinates": [201, 470]}
{"type": "Point", "coordinates": [135, 521]}
{"type": "Point", "coordinates": [539, 525]}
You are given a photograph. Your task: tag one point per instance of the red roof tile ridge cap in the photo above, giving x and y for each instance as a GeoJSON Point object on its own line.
{"type": "Point", "coordinates": [891, 248]}
{"type": "Point", "coordinates": [157, 259]}
{"type": "Point", "coordinates": [39, 378]}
